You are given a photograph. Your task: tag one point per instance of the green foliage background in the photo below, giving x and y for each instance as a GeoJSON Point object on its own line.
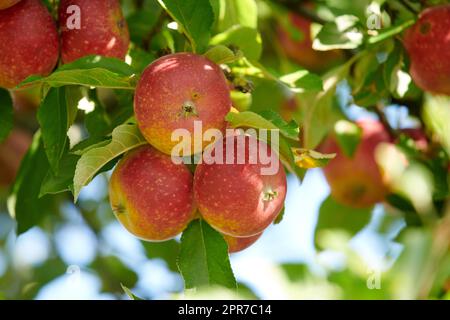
{"type": "Point", "coordinates": [241, 34]}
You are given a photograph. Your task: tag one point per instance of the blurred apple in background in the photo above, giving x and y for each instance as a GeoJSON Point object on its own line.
{"type": "Point", "coordinates": [12, 151]}
{"type": "Point", "coordinates": [296, 41]}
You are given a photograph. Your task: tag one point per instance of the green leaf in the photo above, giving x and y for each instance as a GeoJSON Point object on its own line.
{"type": "Point", "coordinates": [436, 111]}
{"type": "Point", "coordinates": [333, 215]}
{"type": "Point", "coordinates": [280, 216]}
{"type": "Point", "coordinates": [238, 12]}
{"type": "Point", "coordinates": [194, 17]}
{"type": "Point", "coordinates": [203, 259]}
{"type": "Point", "coordinates": [348, 136]}
{"type": "Point", "coordinates": [247, 40]}
{"type": "Point", "coordinates": [95, 77]}
{"type": "Point", "coordinates": [6, 114]}
{"type": "Point", "coordinates": [303, 80]}
{"type": "Point", "coordinates": [387, 33]}
{"type": "Point", "coordinates": [130, 294]}
{"type": "Point", "coordinates": [339, 34]}
{"type": "Point", "coordinates": [289, 130]}
{"type": "Point", "coordinates": [114, 65]}
{"type": "Point", "coordinates": [124, 138]}
{"type": "Point", "coordinates": [113, 273]}
{"type": "Point", "coordinates": [24, 203]}
{"type": "Point", "coordinates": [55, 118]}
{"type": "Point", "coordinates": [320, 110]}
{"type": "Point", "coordinates": [141, 22]}
{"type": "Point", "coordinates": [221, 54]}
{"type": "Point", "coordinates": [167, 251]}
{"type": "Point", "coordinates": [249, 119]}
{"type": "Point", "coordinates": [63, 181]}
{"type": "Point", "coordinates": [308, 159]}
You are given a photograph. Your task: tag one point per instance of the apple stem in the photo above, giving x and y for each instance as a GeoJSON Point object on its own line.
{"type": "Point", "coordinates": [188, 109]}
{"type": "Point", "coordinates": [270, 195]}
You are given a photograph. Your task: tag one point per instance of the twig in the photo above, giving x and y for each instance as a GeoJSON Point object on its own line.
{"type": "Point", "coordinates": [156, 28]}
{"type": "Point", "coordinates": [408, 6]}
{"type": "Point", "coordinates": [301, 10]}
{"type": "Point", "coordinates": [378, 109]}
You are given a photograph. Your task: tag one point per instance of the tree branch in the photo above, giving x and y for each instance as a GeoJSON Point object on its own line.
{"type": "Point", "coordinates": [378, 109]}
{"type": "Point", "coordinates": [146, 42]}
{"type": "Point", "coordinates": [409, 7]}
{"type": "Point", "coordinates": [303, 11]}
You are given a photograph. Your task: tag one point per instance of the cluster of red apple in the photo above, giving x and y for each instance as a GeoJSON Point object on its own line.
{"type": "Point", "coordinates": [155, 198]}
{"type": "Point", "coordinates": [30, 43]}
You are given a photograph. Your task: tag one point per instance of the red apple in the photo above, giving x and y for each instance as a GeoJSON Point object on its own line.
{"type": "Point", "coordinates": [28, 42]}
{"type": "Point", "coordinates": [238, 198]}
{"type": "Point", "coordinates": [238, 244]}
{"type": "Point", "coordinates": [151, 196]}
{"type": "Point", "coordinates": [357, 181]}
{"type": "Point", "coordinates": [102, 29]}
{"type": "Point", "coordinates": [428, 46]}
{"type": "Point", "coordinates": [176, 90]}
{"type": "Point", "coordinates": [300, 50]}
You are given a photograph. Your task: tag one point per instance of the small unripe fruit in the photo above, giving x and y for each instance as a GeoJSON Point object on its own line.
{"type": "Point", "coordinates": [428, 46]}
{"type": "Point", "coordinates": [151, 196]}
{"type": "Point", "coordinates": [102, 29]}
{"type": "Point", "coordinates": [238, 244]}
{"type": "Point", "coordinates": [4, 4]}
{"type": "Point", "coordinates": [235, 197]}
{"type": "Point", "coordinates": [357, 181]}
{"type": "Point", "coordinates": [28, 42]}
{"type": "Point", "coordinates": [176, 90]}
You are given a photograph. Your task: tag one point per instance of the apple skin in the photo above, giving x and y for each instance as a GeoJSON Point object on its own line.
{"type": "Point", "coordinates": [29, 42]}
{"type": "Point", "coordinates": [12, 151]}
{"type": "Point", "coordinates": [5, 4]}
{"type": "Point", "coordinates": [152, 196]}
{"type": "Point", "coordinates": [176, 90]}
{"type": "Point", "coordinates": [428, 46]}
{"type": "Point", "coordinates": [357, 182]}
{"type": "Point", "coordinates": [238, 244]}
{"type": "Point", "coordinates": [232, 197]}
{"type": "Point", "coordinates": [104, 30]}
{"type": "Point", "coordinates": [301, 50]}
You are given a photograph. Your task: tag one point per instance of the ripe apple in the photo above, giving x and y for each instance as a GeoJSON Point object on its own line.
{"type": "Point", "coordinates": [297, 44]}
{"type": "Point", "coordinates": [357, 181]}
{"type": "Point", "coordinates": [102, 29]}
{"type": "Point", "coordinates": [152, 196]}
{"type": "Point", "coordinates": [235, 197]}
{"type": "Point", "coordinates": [28, 42]}
{"type": "Point", "coordinates": [238, 244]}
{"type": "Point", "coordinates": [176, 90]}
{"type": "Point", "coordinates": [12, 151]}
{"type": "Point", "coordinates": [4, 4]}
{"type": "Point", "coordinates": [428, 46]}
